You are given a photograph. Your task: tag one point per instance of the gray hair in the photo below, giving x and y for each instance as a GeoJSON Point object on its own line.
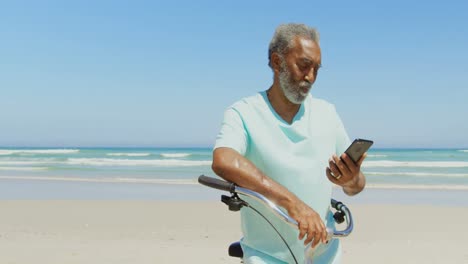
{"type": "Point", "coordinates": [285, 33]}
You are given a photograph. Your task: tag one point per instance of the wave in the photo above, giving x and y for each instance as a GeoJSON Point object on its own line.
{"type": "Point", "coordinates": [419, 187]}
{"type": "Point", "coordinates": [419, 164]}
{"type": "Point", "coordinates": [175, 155]}
{"type": "Point", "coordinates": [37, 151]}
{"type": "Point", "coordinates": [27, 162]}
{"type": "Point", "coordinates": [158, 181]}
{"type": "Point", "coordinates": [376, 156]}
{"type": "Point", "coordinates": [418, 174]}
{"type": "Point", "coordinates": [463, 150]}
{"type": "Point", "coordinates": [23, 168]}
{"type": "Point", "coordinates": [128, 162]}
{"type": "Point", "coordinates": [129, 154]}
{"type": "Point", "coordinates": [104, 180]}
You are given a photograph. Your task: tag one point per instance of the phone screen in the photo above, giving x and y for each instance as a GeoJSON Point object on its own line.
{"type": "Point", "coordinates": [358, 148]}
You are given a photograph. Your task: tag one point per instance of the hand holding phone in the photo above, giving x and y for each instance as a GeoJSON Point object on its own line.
{"type": "Point", "coordinates": [346, 172]}
{"type": "Point", "coordinates": [358, 148]}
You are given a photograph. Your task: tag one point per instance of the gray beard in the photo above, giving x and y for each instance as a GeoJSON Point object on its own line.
{"type": "Point", "coordinates": [292, 91]}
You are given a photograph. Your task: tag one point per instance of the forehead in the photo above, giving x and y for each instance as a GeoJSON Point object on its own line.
{"type": "Point", "coordinates": [305, 48]}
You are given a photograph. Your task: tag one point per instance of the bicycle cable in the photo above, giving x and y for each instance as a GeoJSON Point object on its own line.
{"type": "Point", "coordinates": [277, 232]}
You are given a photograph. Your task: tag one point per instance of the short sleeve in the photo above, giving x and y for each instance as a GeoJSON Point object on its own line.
{"type": "Point", "coordinates": [342, 138]}
{"type": "Point", "coordinates": [233, 133]}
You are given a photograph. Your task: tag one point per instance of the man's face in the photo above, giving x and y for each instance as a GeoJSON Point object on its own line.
{"type": "Point", "coordinates": [298, 69]}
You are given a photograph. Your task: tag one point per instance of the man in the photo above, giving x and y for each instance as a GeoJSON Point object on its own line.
{"type": "Point", "coordinates": [286, 145]}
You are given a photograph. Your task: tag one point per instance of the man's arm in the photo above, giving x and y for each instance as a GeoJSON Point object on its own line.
{"type": "Point", "coordinates": [233, 167]}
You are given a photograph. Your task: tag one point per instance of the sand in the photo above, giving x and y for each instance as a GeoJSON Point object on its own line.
{"type": "Point", "coordinates": [199, 232]}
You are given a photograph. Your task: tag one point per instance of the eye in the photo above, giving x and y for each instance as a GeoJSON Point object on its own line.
{"type": "Point", "coordinates": [306, 65]}
{"type": "Point", "coordinates": [302, 66]}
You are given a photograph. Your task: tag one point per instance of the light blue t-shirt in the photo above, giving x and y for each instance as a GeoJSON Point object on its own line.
{"type": "Point", "coordinates": [294, 155]}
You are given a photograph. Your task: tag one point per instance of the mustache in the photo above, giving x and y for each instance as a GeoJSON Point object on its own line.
{"type": "Point", "coordinates": [305, 84]}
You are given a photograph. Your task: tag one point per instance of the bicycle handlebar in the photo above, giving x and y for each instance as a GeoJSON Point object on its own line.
{"type": "Point", "coordinates": [232, 188]}
{"type": "Point", "coordinates": [216, 183]}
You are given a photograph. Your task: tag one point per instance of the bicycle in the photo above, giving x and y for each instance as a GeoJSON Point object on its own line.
{"type": "Point", "coordinates": [235, 203]}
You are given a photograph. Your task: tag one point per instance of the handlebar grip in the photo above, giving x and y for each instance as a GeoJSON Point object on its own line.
{"type": "Point", "coordinates": [216, 183]}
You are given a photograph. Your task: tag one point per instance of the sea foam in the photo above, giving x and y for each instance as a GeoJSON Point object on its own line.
{"type": "Point", "coordinates": [129, 154]}
{"type": "Point", "coordinates": [376, 156]}
{"type": "Point", "coordinates": [23, 168]}
{"type": "Point", "coordinates": [37, 151]}
{"type": "Point", "coordinates": [103, 180]}
{"type": "Point", "coordinates": [418, 174]}
{"type": "Point", "coordinates": [129, 162]}
{"type": "Point", "coordinates": [418, 187]}
{"type": "Point", "coordinates": [416, 164]}
{"type": "Point", "coordinates": [27, 162]}
{"type": "Point", "coordinates": [175, 155]}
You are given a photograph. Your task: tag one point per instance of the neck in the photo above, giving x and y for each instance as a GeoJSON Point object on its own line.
{"type": "Point", "coordinates": [282, 106]}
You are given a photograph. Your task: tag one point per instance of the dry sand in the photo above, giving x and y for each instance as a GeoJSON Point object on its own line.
{"type": "Point", "coordinates": [67, 232]}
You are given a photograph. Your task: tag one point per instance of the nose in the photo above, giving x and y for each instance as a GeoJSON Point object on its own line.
{"type": "Point", "coordinates": [310, 75]}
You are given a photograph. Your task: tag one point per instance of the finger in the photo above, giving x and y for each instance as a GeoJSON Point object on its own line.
{"type": "Point", "coordinates": [330, 177]}
{"type": "Point", "coordinates": [302, 230]}
{"type": "Point", "coordinates": [317, 238]}
{"type": "Point", "coordinates": [323, 232]}
{"type": "Point", "coordinates": [310, 237]}
{"type": "Point", "coordinates": [324, 235]}
{"type": "Point", "coordinates": [353, 167]}
{"type": "Point", "coordinates": [341, 165]}
{"type": "Point", "coordinates": [333, 167]}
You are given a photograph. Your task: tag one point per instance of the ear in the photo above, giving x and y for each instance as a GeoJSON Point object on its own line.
{"type": "Point", "coordinates": [275, 62]}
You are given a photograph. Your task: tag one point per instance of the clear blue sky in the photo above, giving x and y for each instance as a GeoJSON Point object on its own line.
{"type": "Point", "coordinates": [144, 73]}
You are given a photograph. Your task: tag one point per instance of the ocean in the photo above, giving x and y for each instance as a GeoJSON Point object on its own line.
{"type": "Point", "coordinates": [445, 169]}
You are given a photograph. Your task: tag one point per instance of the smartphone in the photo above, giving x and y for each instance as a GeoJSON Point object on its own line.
{"type": "Point", "coordinates": [358, 148]}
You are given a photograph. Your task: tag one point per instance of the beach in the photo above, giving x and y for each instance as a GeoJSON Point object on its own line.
{"type": "Point", "coordinates": [199, 230]}
{"type": "Point", "coordinates": [144, 205]}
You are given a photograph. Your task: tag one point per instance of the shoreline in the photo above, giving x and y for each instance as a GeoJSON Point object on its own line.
{"type": "Point", "coordinates": [194, 182]}
{"type": "Point", "coordinates": [76, 190]}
